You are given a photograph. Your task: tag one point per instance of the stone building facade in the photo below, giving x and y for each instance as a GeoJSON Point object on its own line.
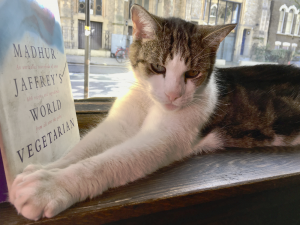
{"type": "Point", "coordinates": [112, 17]}
{"type": "Point", "coordinates": [107, 17]}
{"type": "Point", "coordinates": [284, 29]}
{"type": "Point", "coordinates": [255, 25]}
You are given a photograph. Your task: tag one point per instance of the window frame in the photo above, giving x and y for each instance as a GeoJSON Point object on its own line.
{"type": "Point", "coordinates": [297, 26]}
{"type": "Point", "coordinates": [282, 11]}
{"type": "Point", "coordinates": [78, 5]}
{"type": "Point", "coordinates": [289, 21]}
{"type": "Point", "coordinates": [215, 7]}
{"type": "Point", "coordinates": [94, 7]}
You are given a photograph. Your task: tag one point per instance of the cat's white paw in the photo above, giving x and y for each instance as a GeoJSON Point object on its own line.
{"type": "Point", "coordinates": [40, 194]}
{"type": "Point", "coordinates": [20, 177]}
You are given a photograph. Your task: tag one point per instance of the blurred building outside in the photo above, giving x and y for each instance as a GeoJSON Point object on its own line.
{"type": "Point", "coordinates": [267, 30]}
{"type": "Point", "coordinates": [284, 31]}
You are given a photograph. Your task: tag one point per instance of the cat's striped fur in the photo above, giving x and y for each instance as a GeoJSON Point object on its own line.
{"type": "Point", "coordinates": [257, 106]}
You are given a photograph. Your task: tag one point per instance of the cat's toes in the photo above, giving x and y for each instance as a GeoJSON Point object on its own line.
{"type": "Point", "coordinates": [26, 201]}
{"type": "Point", "coordinates": [40, 194]}
{"type": "Point", "coordinates": [20, 178]}
{"type": "Point", "coordinates": [25, 205]}
{"type": "Point", "coordinates": [31, 212]}
{"type": "Point", "coordinates": [53, 208]}
{"type": "Point", "coordinates": [12, 193]}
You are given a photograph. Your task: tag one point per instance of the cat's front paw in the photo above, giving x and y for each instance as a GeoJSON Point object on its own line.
{"type": "Point", "coordinates": [41, 194]}
{"type": "Point", "coordinates": [28, 170]}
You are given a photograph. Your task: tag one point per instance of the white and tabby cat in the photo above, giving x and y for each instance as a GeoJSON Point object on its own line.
{"type": "Point", "coordinates": [177, 107]}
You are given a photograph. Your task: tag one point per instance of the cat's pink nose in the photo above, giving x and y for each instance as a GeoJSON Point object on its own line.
{"type": "Point", "coordinates": [172, 96]}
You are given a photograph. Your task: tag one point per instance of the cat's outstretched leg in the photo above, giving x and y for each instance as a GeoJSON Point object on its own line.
{"type": "Point", "coordinates": [162, 140]}
{"type": "Point", "coordinates": [124, 121]}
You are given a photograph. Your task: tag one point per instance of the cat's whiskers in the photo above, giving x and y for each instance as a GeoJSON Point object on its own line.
{"type": "Point", "coordinates": [198, 95]}
{"type": "Point", "coordinates": [196, 101]}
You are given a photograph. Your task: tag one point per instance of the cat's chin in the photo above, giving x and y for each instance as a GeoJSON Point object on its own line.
{"type": "Point", "coordinates": [171, 107]}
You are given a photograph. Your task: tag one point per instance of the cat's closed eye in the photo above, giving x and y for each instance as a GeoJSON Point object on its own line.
{"type": "Point", "coordinates": [191, 74]}
{"type": "Point", "coordinates": [156, 68]}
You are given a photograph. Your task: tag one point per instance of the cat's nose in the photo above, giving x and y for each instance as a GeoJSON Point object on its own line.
{"type": "Point", "coordinates": [172, 96]}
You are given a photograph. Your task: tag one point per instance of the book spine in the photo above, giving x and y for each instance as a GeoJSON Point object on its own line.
{"type": "Point", "coordinates": [3, 184]}
{"type": "Point", "coordinates": [5, 177]}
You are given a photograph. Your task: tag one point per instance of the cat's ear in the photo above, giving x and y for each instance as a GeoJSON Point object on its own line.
{"type": "Point", "coordinates": [145, 25]}
{"type": "Point", "coordinates": [212, 36]}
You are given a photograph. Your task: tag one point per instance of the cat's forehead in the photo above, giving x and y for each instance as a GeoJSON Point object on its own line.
{"type": "Point", "coordinates": [176, 37]}
{"type": "Point", "coordinates": [179, 25]}
{"type": "Point", "coordinates": [179, 38]}
{"type": "Point", "coordinates": [176, 64]}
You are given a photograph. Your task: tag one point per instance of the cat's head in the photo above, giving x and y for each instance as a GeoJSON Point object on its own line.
{"type": "Point", "coordinates": [173, 58]}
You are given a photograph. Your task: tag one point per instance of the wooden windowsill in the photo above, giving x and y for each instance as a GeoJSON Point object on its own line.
{"type": "Point", "coordinates": [91, 111]}
{"type": "Point", "coordinates": [234, 186]}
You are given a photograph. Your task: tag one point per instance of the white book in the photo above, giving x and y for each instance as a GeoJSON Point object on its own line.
{"type": "Point", "coordinates": [37, 115]}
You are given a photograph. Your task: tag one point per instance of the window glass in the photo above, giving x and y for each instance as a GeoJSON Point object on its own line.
{"type": "Point", "coordinates": [221, 13]}
{"type": "Point", "coordinates": [266, 32]}
{"type": "Point", "coordinates": [213, 12]}
{"type": "Point", "coordinates": [235, 13]}
{"type": "Point", "coordinates": [130, 5]}
{"type": "Point", "coordinates": [196, 10]}
{"type": "Point", "coordinates": [289, 25]}
{"type": "Point", "coordinates": [281, 20]}
{"type": "Point", "coordinates": [206, 12]}
{"type": "Point", "coordinates": [228, 12]}
{"type": "Point", "coordinates": [146, 4]}
{"type": "Point", "coordinates": [296, 31]}
{"type": "Point", "coordinates": [99, 7]}
{"type": "Point", "coordinates": [91, 7]}
{"type": "Point", "coordinates": [81, 6]}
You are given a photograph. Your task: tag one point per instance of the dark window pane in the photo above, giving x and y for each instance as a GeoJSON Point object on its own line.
{"type": "Point", "coordinates": [235, 13]}
{"type": "Point", "coordinates": [99, 7]}
{"type": "Point", "coordinates": [129, 30]}
{"type": "Point", "coordinates": [221, 13]}
{"type": "Point", "coordinates": [207, 11]}
{"type": "Point", "coordinates": [146, 4]}
{"type": "Point", "coordinates": [205, 8]}
{"type": "Point", "coordinates": [81, 36]}
{"type": "Point", "coordinates": [130, 5]}
{"type": "Point", "coordinates": [81, 6]}
{"type": "Point", "coordinates": [92, 7]}
{"type": "Point", "coordinates": [213, 12]}
{"type": "Point", "coordinates": [229, 12]}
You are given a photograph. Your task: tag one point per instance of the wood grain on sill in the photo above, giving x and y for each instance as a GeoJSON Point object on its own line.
{"type": "Point", "coordinates": [233, 182]}
{"type": "Point", "coordinates": [87, 121]}
{"type": "Point", "coordinates": [91, 112]}
{"type": "Point", "coordinates": [93, 105]}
